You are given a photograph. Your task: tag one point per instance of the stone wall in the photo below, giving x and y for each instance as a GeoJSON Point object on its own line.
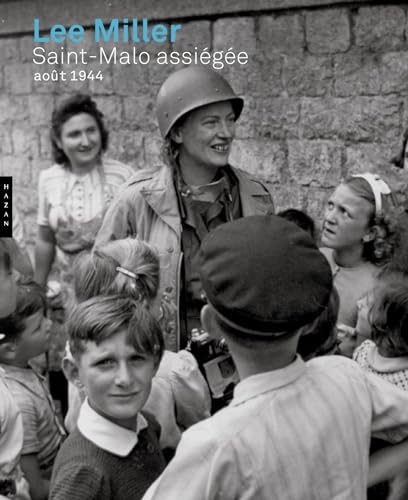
{"type": "Point", "coordinates": [326, 91]}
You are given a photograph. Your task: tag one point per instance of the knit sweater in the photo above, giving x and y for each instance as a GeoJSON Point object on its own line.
{"type": "Point", "coordinates": [84, 471]}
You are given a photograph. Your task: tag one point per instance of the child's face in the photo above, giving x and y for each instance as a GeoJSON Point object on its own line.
{"type": "Point", "coordinates": [34, 340]}
{"type": "Point", "coordinates": [117, 379]}
{"type": "Point", "coordinates": [8, 292]}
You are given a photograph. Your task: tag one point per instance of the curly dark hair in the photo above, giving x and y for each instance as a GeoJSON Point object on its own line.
{"type": "Point", "coordinates": [78, 103]}
{"type": "Point", "coordinates": [379, 250]}
{"type": "Point", "coordinates": [398, 160]}
{"type": "Point", "coordinates": [388, 315]}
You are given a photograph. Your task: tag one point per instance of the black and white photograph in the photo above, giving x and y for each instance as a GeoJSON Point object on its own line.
{"type": "Point", "coordinates": [203, 250]}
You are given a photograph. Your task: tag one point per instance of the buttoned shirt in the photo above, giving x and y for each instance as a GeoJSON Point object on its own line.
{"type": "Point", "coordinates": [62, 193]}
{"type": "Point", "coordinates": [298, 433]}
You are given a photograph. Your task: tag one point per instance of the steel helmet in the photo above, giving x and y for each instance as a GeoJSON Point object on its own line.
{"type": "Point", "coordinates": [188, 89]}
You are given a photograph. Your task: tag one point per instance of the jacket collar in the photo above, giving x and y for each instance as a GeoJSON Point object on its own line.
{"type": "Point", "coordinates": [261, 383]}
{"type": "Point", "coordinates": [160, 193]}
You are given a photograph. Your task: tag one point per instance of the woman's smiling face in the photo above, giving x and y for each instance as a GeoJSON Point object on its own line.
{"type": "Point", "coordinates": [81, 140]}
{"type": "Point", "coordinates": [206, 135]}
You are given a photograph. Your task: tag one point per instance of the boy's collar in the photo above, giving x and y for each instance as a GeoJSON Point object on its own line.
{"type": "Point", "coordinates": [106, 434]}
{"type": "Point", "coordinates": [260, 383]}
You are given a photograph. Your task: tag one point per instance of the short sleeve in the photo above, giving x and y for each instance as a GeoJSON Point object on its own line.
{"type": "Point", "coordinates": [43, 205]}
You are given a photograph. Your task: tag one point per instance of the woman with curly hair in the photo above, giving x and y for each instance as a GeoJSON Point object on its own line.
{"type": "Point", "coordinates": [357, 240]}
{"type": "Point", "coordinates": [75, 192]}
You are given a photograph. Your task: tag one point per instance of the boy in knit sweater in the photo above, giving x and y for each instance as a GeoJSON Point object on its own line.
{"type": "Point", "coordinates": [114, 452]}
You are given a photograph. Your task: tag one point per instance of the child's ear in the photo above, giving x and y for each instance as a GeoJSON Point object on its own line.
{"type": "Point", "coordinates": [71, 372]}
{"type": "Point", "coordinates": [209, 323]}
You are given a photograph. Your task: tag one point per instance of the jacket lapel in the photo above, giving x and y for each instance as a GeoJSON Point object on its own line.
{"type": "Point", "coordinates": [161, 196]}
{"type": "Point", "coordinates": [252, 195]}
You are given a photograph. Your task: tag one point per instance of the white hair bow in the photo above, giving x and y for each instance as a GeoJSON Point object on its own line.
{"type": "Point", "coordinates": [378, 187]}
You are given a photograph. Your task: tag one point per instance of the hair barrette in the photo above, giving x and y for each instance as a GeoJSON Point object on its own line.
{"type": "Point", "coordinates": [126, 272]}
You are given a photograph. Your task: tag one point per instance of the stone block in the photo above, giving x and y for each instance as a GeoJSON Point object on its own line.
{"type": "Point", "coordinates": [128, 146]}
{"type": "Point", "coordinates": [236, 33]}
{"type": "Point", "coordinates": [251, 78]}
{"type": "Point", "coordinates": [104, 86]}
{"type": "Point", "coordinates": [13, 108]}
{"type": "Point", "coordinates": [48, 87]}
{"type": "Point", "coordinates": [328, 31]}
{"type": "Point", "coordinates": [19, 166]}
{"type": "Point", "coordinates": [314, 201]}
{"type": "Point", "coordinates": [73, 84]}
{"type": "Point", "coordinates": [131, 79]}
{"type": "Point", "coordinates": [357, 74]}
{"type": "Point", "coordinates": [25, 140]}
{"type": "Point", "coordinates": [193, 34]}
{"type": "Point", "coordinates": [394, 72]}
{"type": "Point", "coordinates": [6, 144]}
{"type": "Point", "coordinates": [26, 45]}
{"type": "Point", "coordinates": [317, 162]}
{"type": "Point", "coordinates": [112, 110]}
{"type": "Point", "coordinates": [287, 195]}
{"type": "Point", "coordinates": [263, 76]}
{"type": "Point", "coordinates": [139, 114]}
{"type": "Point", "coordinates": [282, 34]}
{"type": "Point", "coordinates": [40, 108]}
{"type": "Point", "coordinates": [262, 158]}
{"type": "Point", "coordinates": [368, 119]}
{"type": "Point", "coordinates": [380, 28]}
{"type": "Point", "coordinates": [18, 78]}
{"type": "Point", "coordinates": [45, 143]}
{"type": "Point", "coordinates": [157, 74]}
{"type": "Point", "coordinates": [275, 118]}
{"type": "Point", "coordinates": [372, 157]}
{"type": "Point", "coordinates": [9, 52]}
{"type": "Point", "coordinates": [152, 152]}
{"type": "Point", "coordinates": [307, 76]}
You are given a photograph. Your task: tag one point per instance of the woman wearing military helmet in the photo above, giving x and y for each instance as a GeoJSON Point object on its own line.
{"type": "Point", "coordinates": [173, 207]}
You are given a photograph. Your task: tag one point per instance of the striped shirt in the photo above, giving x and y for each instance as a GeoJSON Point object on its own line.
{"type": "Point", "coordinates": [298, 433]}
{"type": "Point", "coordinates": [42, 432]}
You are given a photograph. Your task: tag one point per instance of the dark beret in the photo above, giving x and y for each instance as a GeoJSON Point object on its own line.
{"type": "Point", "coordinates": [264, 275]}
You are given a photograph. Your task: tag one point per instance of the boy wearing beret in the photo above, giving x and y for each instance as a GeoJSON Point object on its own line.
{"type": "Point", "coordinates": [294, 430]}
